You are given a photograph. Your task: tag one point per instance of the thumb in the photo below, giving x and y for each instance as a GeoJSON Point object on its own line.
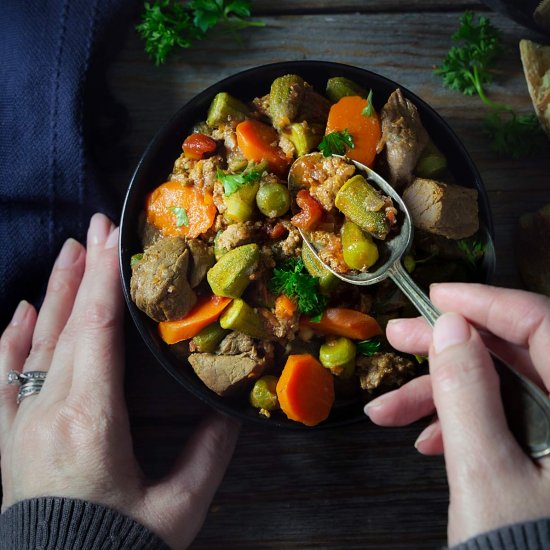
{"type": "Point", "coordinates": [178, 504]}
{"type": "Point", "coordinates": [466, 392]}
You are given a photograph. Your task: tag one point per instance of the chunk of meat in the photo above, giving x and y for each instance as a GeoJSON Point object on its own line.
{"type": "Point", "coordinates": [202, 259]}
{"type": "Point", "coordinates": [226, 374]}
{"type": "Point", "coordinates": [384, 370]}
{"type": "Point", "coordinates": [403, 136]}
{"type": "Point", "coordinates": [159, 284]}
{"type": "Point", "coordinates": [237, 342]}
{"type": "Point", "coordinates": [235, 235]}
{"type": "Point", "coordinates": [442, 208]}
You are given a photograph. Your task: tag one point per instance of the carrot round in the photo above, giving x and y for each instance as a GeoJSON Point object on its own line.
{"type": "Point", "coordinates": [258, 141]}
{"type": "Point", "coordinates": [206, 311]}
{"type": "Point", "coordinates": [305, 390]}
{"type": "Point", "coordinates": [341, 321]}
{"type": "Point", "coordinates": [365, 130]}
{"type": "Point", "coordinates": [177, 209]}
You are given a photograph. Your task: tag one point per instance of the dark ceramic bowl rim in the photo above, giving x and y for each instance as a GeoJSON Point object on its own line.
{"type": "Point", "coordinates": [168, 133]}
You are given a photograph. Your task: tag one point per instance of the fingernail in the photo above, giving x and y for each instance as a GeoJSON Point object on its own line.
{"type": "Point", "coordinates": [99, 229]}
{"type": "Point", "coordinates": [20, 313]}
{"type": "Point", "coordinates": [112, 239]}
{"type": "Point", "coordinates": [394, 322]}
{"type": "Point", "coordinates": [450, 330]}
{"type": "Point", "coordinates": [425, 435]}
{"type": "Point", "coordinates": [69, 254]}
{"type": "Point", "coordinates": [375, 404]}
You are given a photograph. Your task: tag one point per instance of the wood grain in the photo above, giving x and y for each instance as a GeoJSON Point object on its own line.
{"type": "Point", "coordinates": [362, 486]}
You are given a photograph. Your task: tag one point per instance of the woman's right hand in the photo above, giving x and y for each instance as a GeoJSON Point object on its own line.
{"type": "Point", "coordinates": [492, 482]}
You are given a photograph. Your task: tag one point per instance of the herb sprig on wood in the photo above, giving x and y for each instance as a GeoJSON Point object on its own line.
{"type": "Point", "coordinates": [469, 67]}
{"type": "Point", "coordinates": [169, 24]}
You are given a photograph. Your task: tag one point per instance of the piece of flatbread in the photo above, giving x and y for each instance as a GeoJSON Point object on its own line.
{"type": "Point", "coordinates": [542, 15]}
{"type": "Point", "coordinates": [536, 66]}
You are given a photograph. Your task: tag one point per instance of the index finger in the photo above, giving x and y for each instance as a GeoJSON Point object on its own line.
{"type": "Point", "coordinates": [520, 317]}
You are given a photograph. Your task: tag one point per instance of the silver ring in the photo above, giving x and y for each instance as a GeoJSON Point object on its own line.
{"type": "Point", "coordinates": [15, 377]}
{"type": "Point", "coordinates": [29, 388]}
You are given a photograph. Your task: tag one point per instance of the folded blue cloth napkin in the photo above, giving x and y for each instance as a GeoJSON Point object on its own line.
{"type": "Point", "coordinates": [51, 70]}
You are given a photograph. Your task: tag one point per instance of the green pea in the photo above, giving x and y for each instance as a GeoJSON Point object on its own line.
{"type": "Point", "coordinates": [338, 355]}
{"type": "Point", "coordinates": [273, 200]}
{"type": "Point", "coordinates": [264, 394]}
{"type": "Point", "coordinates": [358, 248]}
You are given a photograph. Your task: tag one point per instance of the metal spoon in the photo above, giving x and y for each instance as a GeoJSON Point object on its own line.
{"type": "Point", "coordinates": [527, 407]}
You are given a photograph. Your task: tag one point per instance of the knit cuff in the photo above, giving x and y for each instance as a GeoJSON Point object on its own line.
{"type": "Point", "coordinates": [531, 535]}
{"type": "Point", "coordinates": [53, 523]}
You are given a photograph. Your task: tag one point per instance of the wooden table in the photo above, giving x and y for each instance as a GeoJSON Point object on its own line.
{"type": "Point", "coordinates": [362, 486]}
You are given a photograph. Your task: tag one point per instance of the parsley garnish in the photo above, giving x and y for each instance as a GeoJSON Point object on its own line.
{"type": "Point", "coordinates": [181, 216]}
{"type": "Point", "coordinates": [167, 24]}
{"type": "Point", "coordinates": [292, 279]}
{"type": "Point", "coordinates": [473, 249]}
{"type": "Point", "coordinates": [335, 143]}
{"type": "Point", "coordinates": [368, 347]}
{"type": "Point", "coordinates": [369, 109]}
{"type": "Point", "coordinates": [136, 258]}
{"type": "Point", "coordinates": [233, 182]}
{"type": "Point", "coordinates": [468, 67]}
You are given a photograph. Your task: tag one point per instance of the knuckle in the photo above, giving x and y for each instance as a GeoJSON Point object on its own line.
{"type": "Point", "coordinates": [9, 342]}
{"type": "Point", "coordinates": [44, 344]}
{"type": "Point", "coordinates": [457, 371]}
{"type": "Point", "coordinates": [99, 315]}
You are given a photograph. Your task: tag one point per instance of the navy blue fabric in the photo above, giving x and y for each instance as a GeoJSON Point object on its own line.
{"type": "Point", "coordinates": [52, 61]}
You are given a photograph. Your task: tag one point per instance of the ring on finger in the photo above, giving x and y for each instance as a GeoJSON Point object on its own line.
{"type": "Point", "coordinates": [21, 378]}
{"type": "Point", "coordinates": [29, 388]}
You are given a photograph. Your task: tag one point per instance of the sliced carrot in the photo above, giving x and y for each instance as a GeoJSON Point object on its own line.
{"type": "Point", "coordinates": [177, 209]}
{"type": "Point", "coordinates": [310, 214]}
{"type": "Point", "coordinates": [365, 130]}
{"type": "Point", "coordinates": [284, 307]}
{"type": "Point", "coordinates": [341, 321]}
{"type": "Point", "coordinates": [206, 311]}
{"type": "Point", "coordinates": [258, 141]}
{"type": "Point", "coordinates": [305, 390]}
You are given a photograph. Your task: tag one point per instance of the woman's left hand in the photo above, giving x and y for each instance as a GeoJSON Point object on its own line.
{"type": "Point", "coordinates": [73, 438]}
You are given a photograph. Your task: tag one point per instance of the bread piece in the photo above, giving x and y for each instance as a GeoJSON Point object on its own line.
{"type": "Point", "coordinates": [536, 66]}
{"type": "Point", "coordinates": [442, 208]}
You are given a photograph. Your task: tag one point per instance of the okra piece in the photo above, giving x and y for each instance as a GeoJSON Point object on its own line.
{"type": "Point", "coordinates": [327, 280]}
{"type": "Point", "coordinates": [432, 162]}
{"type": "Point", "coordinates": [209, 338]}
{"type": "Point", "coordinates": [225, 107]}
{"type": "Point", "coordinates": [340, 86]}
{"type": "Point", "coordinates": [241, 317]}
{"type": "Point", "coordinates": [230, 275]}
{"type": "Point", "coordinates": [358, 248]}
{"type": "Point", "coordinates": [305, 137]}
{"type": "Point", "coordinates": [338, 355]}
{"type": "Point", "coordinates": [264, 395]}
{"type": "Point", "coordinates": [285, 99]}
{"type": "Point", "coordinates": [240, 205]}
{"type": "Point", "coordinates": [362, 204]}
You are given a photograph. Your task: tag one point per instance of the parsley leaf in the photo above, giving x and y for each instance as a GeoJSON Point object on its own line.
{"type": "Point", "coordinates": [167, 24]}
{"type": "Point", "coordinates": [515, 136]}
{"type": "Point", "coordinates": [181, 216]}
{"type": "Point", "coordinates": [368, 347]}
{"type": "Point", "coordinates": [233, 182]}
{"type": "Point", "coordinates": [474, 250]}
{"type": "Point", "coordinates": [335, 143]}
{"type": "Point", "coordinates": [369, 109]}
{"type": "Point", "coordinates": [292, 279]}
{"type": "Point", "coordinates": [135, 259]}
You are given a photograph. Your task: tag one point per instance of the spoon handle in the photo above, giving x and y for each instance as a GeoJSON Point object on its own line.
{"type": "Point", "coordinates": [526, 406]}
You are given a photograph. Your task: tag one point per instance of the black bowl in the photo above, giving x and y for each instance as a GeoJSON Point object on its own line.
{"type": "Point", "coordinates": [157, 161]}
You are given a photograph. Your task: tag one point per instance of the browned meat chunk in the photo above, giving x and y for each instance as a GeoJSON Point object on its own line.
{"type": "Point", "coordinates": [235, 235]}
{"type": "Point", "coordinates": [442, 208]}
{"type": "Point", "coordinates": [226, 374]}
{"type": "Point", "coordinates": [202, 259]}
{"type": "Point", "coordinates": [159, 284]}
{"type": "Point", "coordinates": [384, 370]}
{"type": "Point", "coordinates": [403, 136]}
{"type": "Point", "coordinates": [237, 342]}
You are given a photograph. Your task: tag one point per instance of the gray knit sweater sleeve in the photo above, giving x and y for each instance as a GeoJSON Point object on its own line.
{"type": "Point", "coordinates": [531, 535]}
{"type": "Point", "coordinates": [50, 523]}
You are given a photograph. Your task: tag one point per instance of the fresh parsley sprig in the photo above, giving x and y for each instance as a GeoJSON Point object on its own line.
{"type": "Point", "coordinates": [169, 24]}
{"type": "Point", "coordinates": [473, 250]}
{"type": "Point", "coordinates": [368, 347]}
{"type": "Point", "coordinates": [292, 279]}
{"type": "Point", "coordinates": [369, 109]}
{"type": "Point", "coordinates": [233, 182]}
{"type": "Point", "coordinates": [336, 143]}
{"type": "Point", "coordinates": [468, 67]}
{"type": "Point", "coordinates": [181, 216]}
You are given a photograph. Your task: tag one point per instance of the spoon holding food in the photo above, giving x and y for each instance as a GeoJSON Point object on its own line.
{"type": "Point", "coordinates": [364, 200]}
